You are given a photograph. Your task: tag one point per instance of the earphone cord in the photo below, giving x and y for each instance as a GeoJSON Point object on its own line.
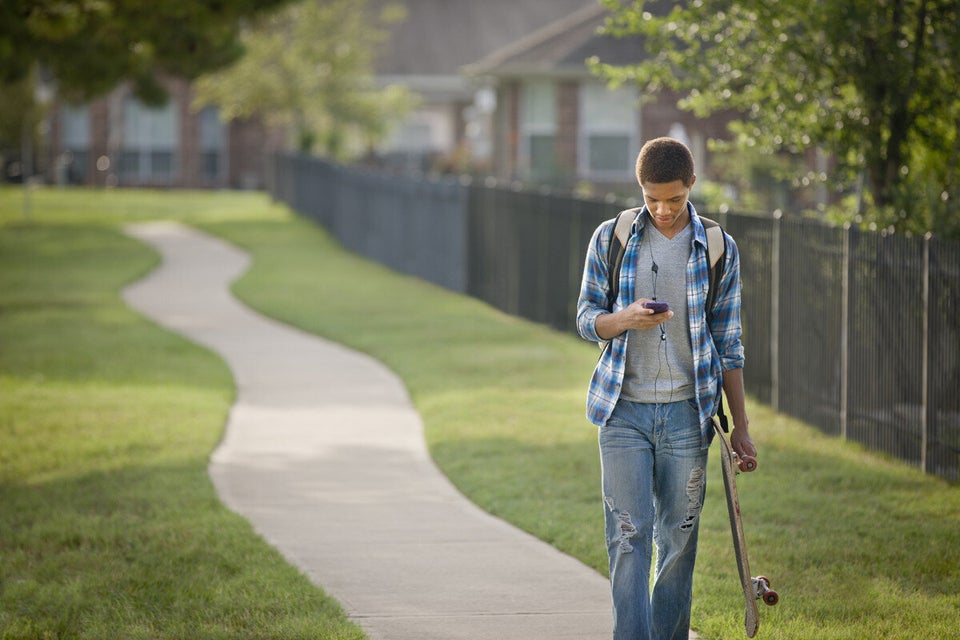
{"type": "Point", "coordinates": [660, 361]}
{"type": "Point", "coordinates": [663, 337]}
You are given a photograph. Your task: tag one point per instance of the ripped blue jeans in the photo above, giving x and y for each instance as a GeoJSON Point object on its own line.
{"type": "Point", "coordinates": [654, 465]}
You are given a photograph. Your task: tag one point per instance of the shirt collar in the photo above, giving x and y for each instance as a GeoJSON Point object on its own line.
{"type": "Point", "coordinates": [699, 233]}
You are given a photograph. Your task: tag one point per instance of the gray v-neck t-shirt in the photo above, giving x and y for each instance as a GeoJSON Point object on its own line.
{"type": "Point", "coordinates": [659, 367]}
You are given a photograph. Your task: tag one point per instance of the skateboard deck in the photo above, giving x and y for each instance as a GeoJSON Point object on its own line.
{"type": "Point", "coordinates": [754, 588]}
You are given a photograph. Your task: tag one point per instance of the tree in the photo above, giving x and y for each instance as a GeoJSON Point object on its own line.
{"type": "Point", "coordinates": [91, 45]}
{"type": "Point", "coordinates": [309, 67]}
{"type": "Point", "coordinates": [873, 83]}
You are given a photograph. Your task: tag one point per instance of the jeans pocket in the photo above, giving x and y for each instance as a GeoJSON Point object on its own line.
{"type": "Point", "coordinates": [620, 416]}
{"type": "Point", "coordinates": [685, 437]}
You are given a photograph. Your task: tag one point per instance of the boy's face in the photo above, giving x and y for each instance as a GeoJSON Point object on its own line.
{"type": "Point", "coordinates": [667, 203]}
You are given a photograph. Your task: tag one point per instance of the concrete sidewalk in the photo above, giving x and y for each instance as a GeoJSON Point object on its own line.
{"type": "Point", "coordinates": [324, 455]}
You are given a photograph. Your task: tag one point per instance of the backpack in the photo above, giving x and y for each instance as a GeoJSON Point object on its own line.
{"type": "Point", "coordinates": [716, 247]}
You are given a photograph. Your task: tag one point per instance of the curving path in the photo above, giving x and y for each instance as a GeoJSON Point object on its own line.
{"type": "Point", "coordinates": [324, 454]}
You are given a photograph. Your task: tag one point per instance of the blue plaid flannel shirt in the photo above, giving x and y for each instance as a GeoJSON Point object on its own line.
{"type": "Point", "coordinates": [716, 348]}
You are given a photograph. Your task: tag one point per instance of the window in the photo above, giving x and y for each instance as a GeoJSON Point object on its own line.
{"type": "Point", "coordinates": [538, 126]}
{"type": "Point", "coordinates": [609, 130]}
{"type": "Point", "coordinates": [148, 151]}
{"type": "Point", "coordinates": [211, 144]}
{"type": "Point", "coordinates": [75, 143]}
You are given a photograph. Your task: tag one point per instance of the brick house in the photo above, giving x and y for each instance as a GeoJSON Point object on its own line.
{"type": "Point", "coordinates": [116, 140]}
{"type": "Point", "coordinates": [426, 53]}
{"type": "Point", "coordinates": [555, 122]}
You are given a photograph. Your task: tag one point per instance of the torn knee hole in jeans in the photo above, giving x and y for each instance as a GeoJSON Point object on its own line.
{"type": "Point", "coordinates": [694, 498]}
{"type": "Point", "coordinates": [627, 529]}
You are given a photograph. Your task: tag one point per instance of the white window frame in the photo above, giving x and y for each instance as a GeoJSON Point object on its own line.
{"type": "Point", "coordinates": [75, 138]}
{"type": "Point", "coordinates": [75, 127]}
{"type": "Point", "coordinates": [146, 131]}
{"type": "Point", "coordinates": [597, 119]}
{"type": "Point", "coordinates": [538, 117]}
{"type": "Point", "coordinates": [213, 142]}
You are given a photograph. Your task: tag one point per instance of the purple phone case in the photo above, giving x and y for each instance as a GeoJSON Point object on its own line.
{"type": "Point", "coordinates": [658, 307]}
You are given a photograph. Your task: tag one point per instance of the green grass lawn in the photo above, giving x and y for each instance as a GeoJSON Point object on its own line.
{"type": "Point", "coordinates": [109, 524]}
{"type": "Point", "coordinates": [106, 423]}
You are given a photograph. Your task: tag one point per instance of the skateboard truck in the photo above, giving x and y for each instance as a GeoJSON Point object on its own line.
{"type": "Point", "coordinates": [762, 587]}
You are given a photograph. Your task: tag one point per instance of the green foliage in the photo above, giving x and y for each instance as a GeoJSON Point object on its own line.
{"type": "Point", "coordinates": [309, 67]}
{"type": "Point", "coordinates": [874, 84]}
{"type": "Point", "coordinates": [86, 47]}
{"type": "Point", "coordinates": [91, 45]}
{"type": "Point", "coordinates": [751, 181]}
{"type": "Point", "coordinates": [17, 112]}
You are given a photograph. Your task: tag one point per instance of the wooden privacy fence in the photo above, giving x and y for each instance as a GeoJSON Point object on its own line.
{"type": "Point", "coordinates": [854, 332]}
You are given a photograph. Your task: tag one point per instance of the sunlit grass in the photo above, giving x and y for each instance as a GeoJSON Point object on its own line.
{"type": "Point", "coordinates": [109, 524]}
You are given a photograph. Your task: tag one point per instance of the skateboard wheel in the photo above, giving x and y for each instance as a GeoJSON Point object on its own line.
{"type": "Point", "coordinates": [748, 463]}
{"type": "Point", "coordinates": [764, 592]}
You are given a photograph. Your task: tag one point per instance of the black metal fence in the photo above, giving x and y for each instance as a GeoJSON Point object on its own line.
{"type": "Point", "coordinates": [854, 332]}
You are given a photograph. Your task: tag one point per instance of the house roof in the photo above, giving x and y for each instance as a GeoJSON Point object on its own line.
{"type": "Point", "coordinates": [561, 48]}
{"type": "Point", "coordinates": [439, 37]}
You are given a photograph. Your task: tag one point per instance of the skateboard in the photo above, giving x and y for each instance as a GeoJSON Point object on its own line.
{"type": "Point", "coordinates": [754, 588]}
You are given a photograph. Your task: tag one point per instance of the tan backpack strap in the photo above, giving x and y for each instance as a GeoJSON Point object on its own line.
{"type": "Point", "coordinates": [715, 244]}
{"type": "Point", "coordinates": [716, 247]}
{"type": "Point", "coordinates": [624, 223]}
{"type": "Point", "coordinates": [618, 246]}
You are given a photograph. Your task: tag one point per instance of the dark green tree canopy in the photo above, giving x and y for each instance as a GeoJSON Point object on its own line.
{"type": "Point", "coordinates": [873, 83]}
{"type": "Point", "coordinates": [91, 45]}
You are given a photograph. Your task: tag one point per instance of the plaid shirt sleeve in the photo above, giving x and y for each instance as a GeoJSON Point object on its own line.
{"type": "Point", "coordinates": [725, 329]}
{"type": "Point", "coordinates": [716, 346]}
{"type": "Point", "coordinates": [594, 300]}
{"type": "Point", "coordinates": [594, 297]}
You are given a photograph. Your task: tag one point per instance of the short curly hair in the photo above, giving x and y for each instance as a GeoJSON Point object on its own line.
{"type": "Point", "coordinates": [663, 160]}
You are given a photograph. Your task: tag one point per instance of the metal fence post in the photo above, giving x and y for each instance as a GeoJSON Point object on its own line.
{"type": "Point", "coordinates": [925, 357]}
{"type": "Point", "coordinates": [775, 313]}
{"type": "Point", "coordinates": [844, 329]}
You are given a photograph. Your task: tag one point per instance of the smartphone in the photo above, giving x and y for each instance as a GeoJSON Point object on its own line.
{"type": "Point", "coordinates": [658, 307]}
